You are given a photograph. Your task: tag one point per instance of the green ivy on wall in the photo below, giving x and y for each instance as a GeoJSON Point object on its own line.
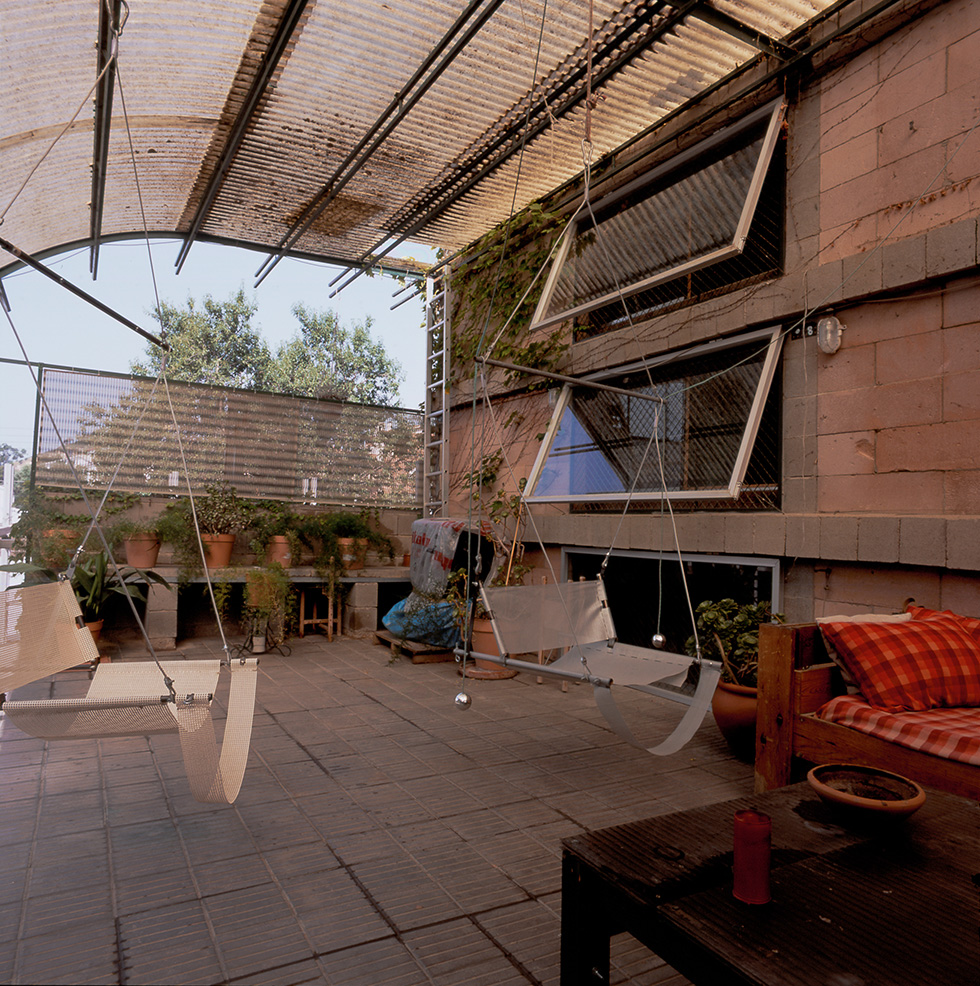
{"type": "Point", "coordinates": [488, 288]}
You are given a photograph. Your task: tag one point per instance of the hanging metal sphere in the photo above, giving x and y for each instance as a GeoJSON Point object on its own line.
{"type": "Point", "coordinates": [659, 641]}
{"type": "Point", "coordinates": [463, 700]}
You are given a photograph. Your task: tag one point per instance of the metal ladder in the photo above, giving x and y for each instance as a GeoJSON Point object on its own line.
{"type": "Point", "coordinates": [435, 457]}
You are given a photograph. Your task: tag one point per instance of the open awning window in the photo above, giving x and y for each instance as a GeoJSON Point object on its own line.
{"type": "Point", "coordinates": [693, 212]}
{"type": "Point", "coordinates": [694, 440]}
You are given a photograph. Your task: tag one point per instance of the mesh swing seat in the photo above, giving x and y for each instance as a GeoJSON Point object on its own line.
{"type": "Point", "coordinates": [44, 634]}
{"type": "Point", "coordinates": [574, 617]}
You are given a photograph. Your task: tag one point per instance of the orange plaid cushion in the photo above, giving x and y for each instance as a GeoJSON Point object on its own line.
{"type": "Point", "coordinates": [907, 667]}
{"type": "Point", "coordinates": [950, 733]}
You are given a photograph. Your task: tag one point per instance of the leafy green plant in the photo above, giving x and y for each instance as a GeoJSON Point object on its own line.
{"type": "Point", "coordinates": [221, 510]}
{"type": "Point", "coordinates": [492, 282]}
{"type": "Point", "coordinates": [272, 518]}
{"type": "Point", "coordinates": [96, 582]}
{"type": "Point", "coordinates": [730, 632]}
{"type": "Point", "coordinates": [267, 593]}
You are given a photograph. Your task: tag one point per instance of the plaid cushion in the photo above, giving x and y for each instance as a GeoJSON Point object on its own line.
{"type": "Point", "coordinates": [953, 734]}
{"type": "Point", "coordinates": [906, 667]}
{"type": "Point", "coordinates": [968, 623]}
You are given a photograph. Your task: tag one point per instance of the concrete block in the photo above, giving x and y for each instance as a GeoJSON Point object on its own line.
{"type": "Point", "coordinates": [959, 592]}
{"type": "Point", "coordinates": [799, 496]}
{"type": "Point", "coordinates": [824, 284]}
{"type": "Point", "coordinates": [846, 454]}
{"type": "Point", "coordinates": [963, 492]}
{"type": "Point", "coordinates": [739, 533]}
{"type": "Point", "coordinates": [951, 248]}
{"type": "Point", "coordinates": [862, 274]}
{"type": "Point", "coordinates": [770, 535]}
{"type": "Point", "coordinates": [963, 543]}
{"type": "Point", "coordinates": [839, 538]}
{"type": "Point", "coordinates": [711, 533]}
{"type": "Point", "coordinates": [961, 307]}
{"type": "Point", "coordinates": [802, 535]}
{"type": "Point", "coordinates": [923, 541]}
{"type": "Point", "coordinates": [904, 262]}
{"type": "Point", "coordinates": [878, 539]}
{"type": "Point", "coordinates": [160, 619]}
{"type": "Point", "coordinates": [892, 493]}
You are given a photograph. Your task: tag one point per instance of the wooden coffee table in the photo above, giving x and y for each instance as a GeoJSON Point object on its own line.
{"type": "Point", "coordinates": [852, 904]}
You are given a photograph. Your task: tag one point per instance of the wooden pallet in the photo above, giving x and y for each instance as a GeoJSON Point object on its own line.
{"type": "Point", "coordinates": [419, 653]}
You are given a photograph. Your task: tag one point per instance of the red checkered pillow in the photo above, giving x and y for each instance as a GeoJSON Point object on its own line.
{"type": "Point", "coordinates": [909, 667]}
{"type": "Point", "coordinates": [968, 623]}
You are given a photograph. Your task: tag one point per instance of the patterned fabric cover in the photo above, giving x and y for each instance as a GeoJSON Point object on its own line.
{"type": "Point", "coordinates": [907, 667]}
{"type": "Point", "coordinates": [953, 734]}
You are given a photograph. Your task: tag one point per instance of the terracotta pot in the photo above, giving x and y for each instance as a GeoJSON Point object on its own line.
{"type": "Point", "coordinates": [218, 548]}
{"type": "Point", "coordinates": [352, 552]}
{"type": "Point", "coordinates": [277, 550]}
{"type": "Point", "coordinates": [95, 628]}
{"type": "Point", "coordinates": [734, 708]}
{"type": "Point", "coordinates": [142, 550]}
{"type": "Point", "coordinates": [484, 642]}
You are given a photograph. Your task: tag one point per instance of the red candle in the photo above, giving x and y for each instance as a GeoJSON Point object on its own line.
{"type": "Point", "coordinates": [753, 839]}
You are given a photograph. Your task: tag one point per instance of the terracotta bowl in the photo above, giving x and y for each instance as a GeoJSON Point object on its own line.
{"type": "Point", "coordinates": [866, 789]}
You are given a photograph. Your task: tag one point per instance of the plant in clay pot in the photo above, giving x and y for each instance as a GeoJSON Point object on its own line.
{"type": "Point", "coordinates": [98, 584]}
{"type": "Point", "coordinates": [274, 532]}
{"type": "Point", "coordinates": [140, 541]}
{"type": "Point", "coordinates": [267, 592]}
{"type": "Point", "coordinates": [730, 632]}
{"type": "Point", "coordinates": [221, 513]}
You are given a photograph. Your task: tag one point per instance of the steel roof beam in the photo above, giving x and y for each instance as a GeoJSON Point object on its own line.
{"type": "Point", "coordinates": [742, 32]}
{"type": "Point", "coordinates": [509, 142]}
{"type": "Point", "coordinates": [277, 47]}
{"type": "Point", "coordinates": [400, 106]}
{"type": "Point", "coordinates": [102, 124]}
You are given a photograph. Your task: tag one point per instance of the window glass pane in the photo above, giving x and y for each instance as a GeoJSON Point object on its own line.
{"type": "Point", "coordinates": [602, 444]}
{"type": "Point", "coordinates": [706, 221]}
{"type": "Point", "coordinates": [690, 218]}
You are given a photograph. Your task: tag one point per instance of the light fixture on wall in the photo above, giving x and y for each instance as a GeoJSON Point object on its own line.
{"type": "Point", "coordinates": [829, 332]}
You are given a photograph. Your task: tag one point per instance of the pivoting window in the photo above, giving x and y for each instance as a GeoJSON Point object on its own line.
{"type": "Point", "coordinates": [706, 221]}
{"type": "Point", "coordinates": [698, 426]}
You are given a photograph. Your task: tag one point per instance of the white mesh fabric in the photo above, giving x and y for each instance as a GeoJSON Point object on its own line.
{"type": "Point", "coordinates": [39, 634]}
{"type": "Point", "coordinates": [125, 699]}
{"type": "Point", "coordinates": [532, 618]}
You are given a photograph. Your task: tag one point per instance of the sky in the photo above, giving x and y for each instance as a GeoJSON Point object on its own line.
{"type": "Point", "coordinates": [58, 328]}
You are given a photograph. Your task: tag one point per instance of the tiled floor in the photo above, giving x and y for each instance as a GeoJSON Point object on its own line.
{"type": "Point", "coordinates": [383, 837]}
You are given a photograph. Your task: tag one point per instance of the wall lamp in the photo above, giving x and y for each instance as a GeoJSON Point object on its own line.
{"type": "Point", "coordinates": [829, 331]}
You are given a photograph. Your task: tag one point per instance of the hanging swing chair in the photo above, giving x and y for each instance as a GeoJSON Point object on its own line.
{"type": "Point", "coordinates": [574, 617]}
{"type": "Point", "coordinates": [41, 633]}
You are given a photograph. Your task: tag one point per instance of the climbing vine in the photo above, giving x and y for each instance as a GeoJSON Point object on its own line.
{"type": "Point", "coordinates": [500, 267]}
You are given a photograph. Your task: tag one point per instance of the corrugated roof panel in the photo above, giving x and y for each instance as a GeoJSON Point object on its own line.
{"type": "Point", "coordinates": [186, 69]}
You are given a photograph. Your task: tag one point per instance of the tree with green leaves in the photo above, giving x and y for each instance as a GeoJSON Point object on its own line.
{"type": "Point", "coordinates": [215, 343]}
{"type": "Point", "coordinates": [212, 343]}
{"type": "Point", "coordinates": [10, 454]}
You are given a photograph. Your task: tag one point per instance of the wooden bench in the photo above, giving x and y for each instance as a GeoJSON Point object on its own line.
{"type": "Point", "coordinates": [795, 679]}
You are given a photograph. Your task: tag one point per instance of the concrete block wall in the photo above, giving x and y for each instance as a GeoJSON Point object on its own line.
{"type": "Point", "coordinates": [881, 474]}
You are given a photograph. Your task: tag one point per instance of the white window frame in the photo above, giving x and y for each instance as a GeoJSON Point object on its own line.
{"type": "Point", "coordinates": [776, 112]}
{"type": "Point", "coordinates": [773, 336]}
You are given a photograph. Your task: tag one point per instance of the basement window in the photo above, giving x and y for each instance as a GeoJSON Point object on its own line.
{"type": "Point", "coordinates": [709, 433]}
{"type": "Point", "coordinates": [707, 221]}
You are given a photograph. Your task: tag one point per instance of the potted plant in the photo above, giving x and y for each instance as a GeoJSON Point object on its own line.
{"type": "Point", "coordinates": [729, 632]}
{"type": "Point", "coordinates": [44, 534]}
{"type": "Point", "coordinates": [97, 584]}
{"type": "Point", "coordinates": [221, 513]}
{"type": "Point", "coordinates": [140, 542]}
{"type": "Point", "coordinates": [275, 533]}
{"type": "Point", "coordinates": [266, 594]}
